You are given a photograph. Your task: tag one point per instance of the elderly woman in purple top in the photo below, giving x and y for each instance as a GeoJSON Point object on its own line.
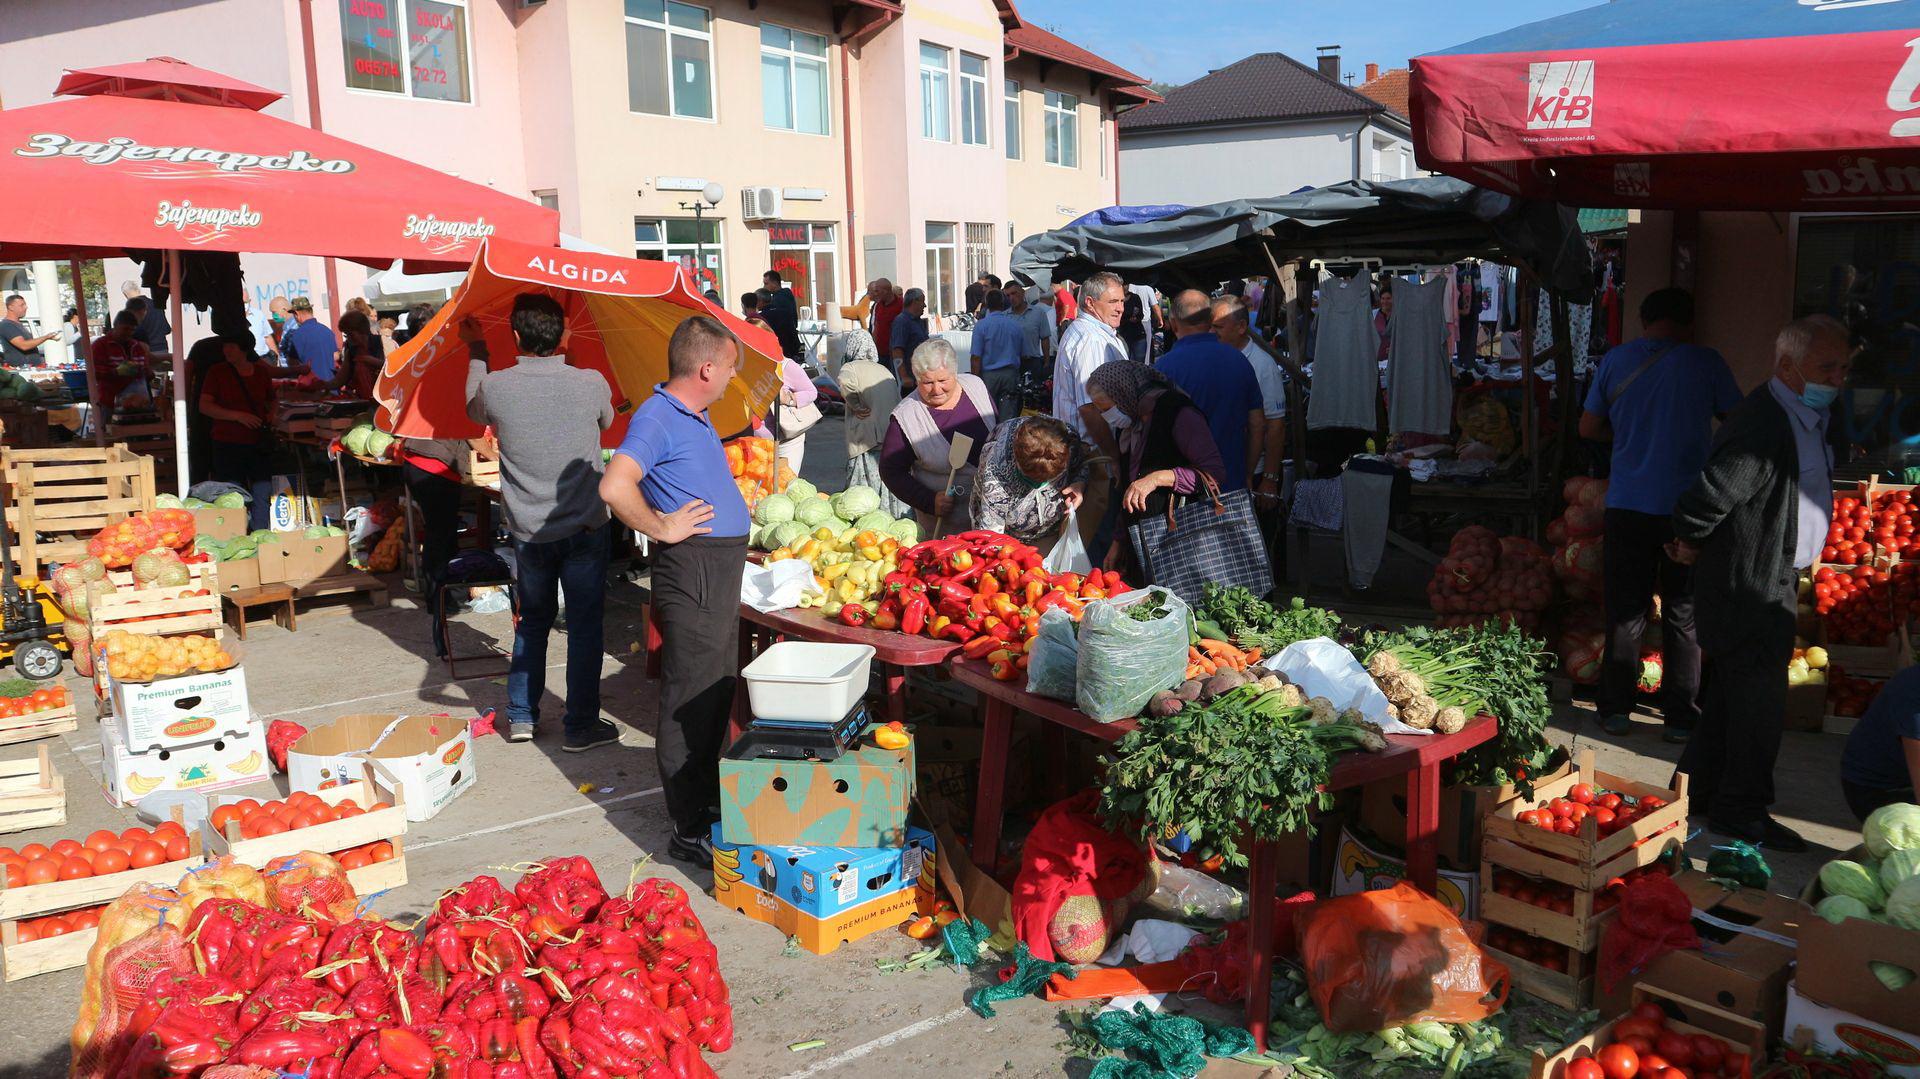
{"type": "Point", "coordinates": [913, 459]}
{"type": "Point", "coordinates": [1164, 448]}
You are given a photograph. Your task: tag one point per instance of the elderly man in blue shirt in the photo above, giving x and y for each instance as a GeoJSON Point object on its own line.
{"type": "Point", "coordinates": [999, 340]}
{"type": "Point", "coordinates": [1217, 377]}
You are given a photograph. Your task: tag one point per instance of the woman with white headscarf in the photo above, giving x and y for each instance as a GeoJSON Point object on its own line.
{"type": "Point", "coordinates": [871, 391]}
{"type": "Point", "coordinates": [913, 459]}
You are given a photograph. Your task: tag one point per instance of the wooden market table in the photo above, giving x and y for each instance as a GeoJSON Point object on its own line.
{"type": "Point", "coordinates": [893, 650]}
{"type": "Point", "coordinates": [1415, 756]}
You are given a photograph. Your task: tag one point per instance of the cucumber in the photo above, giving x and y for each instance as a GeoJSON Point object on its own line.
{"type": "Point", "coordinates": [1211, 630]}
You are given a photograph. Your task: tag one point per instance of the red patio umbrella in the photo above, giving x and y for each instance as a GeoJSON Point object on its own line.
{"type": "Point", "coordinates": [168, 79]}
{"type": "Point", "coordinates": [1711, 104]}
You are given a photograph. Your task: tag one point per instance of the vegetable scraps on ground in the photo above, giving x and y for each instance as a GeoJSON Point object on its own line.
{"type": "Point", "coordinates": [550, 978]}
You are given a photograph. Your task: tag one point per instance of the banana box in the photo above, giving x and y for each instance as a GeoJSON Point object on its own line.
{"type": "Point", "coordinates": [827, 896]}
{"type": "Point", "coordinates": [858, 801]}
{"type": "Point", "coordinates": [1364, 865]}
{"type": "Point", "coordinates": [185, 710]}
{"type": "Point", "coordinates": [231, 760]}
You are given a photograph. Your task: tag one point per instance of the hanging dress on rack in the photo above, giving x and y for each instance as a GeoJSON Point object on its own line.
{"type": "Point", "coordinates": [1346, 350]}
{"type": "Point", "coordinates": [1419, 371]}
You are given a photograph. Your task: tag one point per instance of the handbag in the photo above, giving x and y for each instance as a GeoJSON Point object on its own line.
{"type": "Point", "coordinates": [1210, 537]}
{"type": "Point", "coordinates": [790, 423]}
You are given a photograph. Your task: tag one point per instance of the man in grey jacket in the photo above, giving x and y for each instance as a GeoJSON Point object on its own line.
{"type": "Point", "coordinates": [547, 417]}
{"type": "Point", "coordinates": [1757, 516]}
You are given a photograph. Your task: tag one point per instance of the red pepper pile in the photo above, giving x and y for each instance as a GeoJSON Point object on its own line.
{"type": "Point", "coordinates": [551, 979]}
{"type": "Point", "coordinates": [985, 590]}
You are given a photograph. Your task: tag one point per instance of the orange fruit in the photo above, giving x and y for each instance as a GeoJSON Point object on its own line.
{"type": "Point", "coordinates": [101, 840]}
{"type": "Point", "coordinates": [75, 869]}
{"type": "Point", "coordinates": [43, 871]}
{"type": "Point", "coordinates": [113, 860]}
{"type": "Point", "coordinates": [145, 853]}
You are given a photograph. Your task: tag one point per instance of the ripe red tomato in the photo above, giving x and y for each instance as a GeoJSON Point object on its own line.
{"type": "Point", "coordinates": [1561, 807]}
{"type": "Point", "coordinates": [1567, 827]}
{"type": "Point", "coordinates": [1581, 793]}
{"type": "Point", "coordinates": [1618, 1061]}
{"type": "Point", "coordinates": [1736, 1064]}
{"type": "Point", "coordinates": [1709, 1052]}
{"type": "Point", "coordinates": [1633, 1026]}
{"type": "Point", "coordinates": [1652, 1013]}
{"type": "Point", "coordinates": [1609, 800]}
{"type": "Point", "coordinates": [1653, 1063]}
{"type": "Point", "coordinates": [1652, 802]}
{"type": "Point", "coordinates": [1677, 1048]}
{"type": "Point", "coordinates": [1585, 1068]}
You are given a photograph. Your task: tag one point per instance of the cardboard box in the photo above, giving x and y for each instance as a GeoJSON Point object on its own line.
{"type": "Point", "coordinates": [1833, 963]}
{"type": "Point", "coordinates": [1383, 811]}
{"type": "Point", "coordinates": [859, 800]}
{"type": "Point", "coordinates": [128, 777]}
{"type": "Point", "coordinates": [826, 896]}
{"type": "Point", "coordinates": [189, 709]}
{"type": "Point", "coordinates": [239, 573]}
{"type": "Point", "coordinates": [303, 561]}
{"type": "Point", "coordinates": [1364, 864]}
{"type": "Point", "coordinates": [430, 757]}
{"type": "Point", "coordinates": [1819, 1026]}
{"type": "Point", "coordinates": [216, 522]}
{"type": "Point", "coordinates": [974, 893]}
{"type": "Point", "coordinates": [1742, 972]}
{"type": "Point", "coordinates": [1806, 706]}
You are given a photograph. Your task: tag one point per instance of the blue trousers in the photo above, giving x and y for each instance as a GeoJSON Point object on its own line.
{"type": "Point", "coordinates": [577, 564]}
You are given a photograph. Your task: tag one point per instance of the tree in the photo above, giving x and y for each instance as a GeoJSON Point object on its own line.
{"type": "Point", "coordinates": [93, 279]}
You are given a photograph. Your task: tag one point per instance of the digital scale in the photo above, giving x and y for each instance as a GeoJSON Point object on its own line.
{"type": "Point", "coordinates": [801, 739]}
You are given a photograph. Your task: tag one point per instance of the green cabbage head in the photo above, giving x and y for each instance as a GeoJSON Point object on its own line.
{"type": "Point", "coordinates": [855, 501]}
{"type": "Point", "coordinates": [1843, 877]}
{"type": "Point", "coordinates": [1891, 828]}
{"type": "Point", "coordinates": [1891, 975]}
{"type": "Point", "coordinates": [773, 509]}
{"type": "Point", "coordinates": [813, 512]}
{"type": "Point", "coordinates": [798, 489]}
{"type": "Point", "coordinates": [1898, 866]}
{"type": "Point", "coordinates": [1903, 906]}
{"type": "Point", "coordinates": [1838, 908]}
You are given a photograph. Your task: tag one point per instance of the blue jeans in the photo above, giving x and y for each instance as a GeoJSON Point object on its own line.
{"type": "Point", "coordinates": [577, 564]}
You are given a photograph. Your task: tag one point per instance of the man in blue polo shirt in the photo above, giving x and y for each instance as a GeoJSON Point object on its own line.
{"type": "Point", "coordinates": [1655, 399]}
{"type": "Point", "coordinates": [669, 480]}
{"type": "Point", "coordinates": [1217, 377]}
{"type": "Point", "coordinates": [999, 340]}
{"type": "Point", "coordinates": [310, 342]}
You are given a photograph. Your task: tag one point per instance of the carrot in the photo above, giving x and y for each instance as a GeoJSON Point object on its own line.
{"type": "Point", "coordinates": [1217, 648]}
{"type": "Point", "coordinates": [1253, 656]}
{"type": "Point", "coordinates": [1194, 670]}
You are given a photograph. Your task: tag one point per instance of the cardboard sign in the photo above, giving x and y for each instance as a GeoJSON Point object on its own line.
{"type": "Point", "coordinates": [219, 522]}
{"type": "Point", "coordinates": [185, 710]}
{"type": "Point", "coordinates": [1359, 867]}
{"type": "Point", "coordinates": [431, 757]}
{"type": "Point", "coordinates": [826, 896]}
{"type": "Point", "coordinates": [1811, 1023]}
{"type": "Point", "coordinates": [231, 761]}
{"type": "Point", "coordinates": [859, 800]}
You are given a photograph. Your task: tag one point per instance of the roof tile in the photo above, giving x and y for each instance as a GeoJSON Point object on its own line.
{"type": "Point", "coordinates": [1264, 86]}
{"type": "Point", "coordinates": [1391, 89]}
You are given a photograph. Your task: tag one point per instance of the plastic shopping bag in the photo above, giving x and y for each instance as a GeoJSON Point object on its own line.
{"type": "Point", "coordinates": [1054, 656]}
{"type": "Point", "coordinates": [1395, 956]}
{"type": "Point", "coordinates": [1124, 661]}
{"type": "Point", "coordinates": [1069, 555]}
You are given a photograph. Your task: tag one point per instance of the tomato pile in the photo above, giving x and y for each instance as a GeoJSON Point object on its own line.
{"type": "Point", "coordinates": [1850, 696]}
{"type": "Point", "coordinates": [1557, 897]}
{"type": "Point", "coordinates": [1893, 522]}
{"type": "Point", "coordinates": [1485, 577]}
{"type": "Point", "coordinates": [40, 700]}
{"type": "Point", "coordinates": [102, 853]}
{"type": "Point", "coordinates": [300, 810]}
{"type": "Point", "coordinates": [58, 925]}
{"type": "Point", "coordinates": [1611, 811]}
{"type": "Point", "coordinates": [1539, 951]}
{"type": "Point", "coordinates": [1850, 535]}
{"type": "Point", "coordinates": [1644, 1048]}
{"type": "Point", "coordinates": [1856, 604]}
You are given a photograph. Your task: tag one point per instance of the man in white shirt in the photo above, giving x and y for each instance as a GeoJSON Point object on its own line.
{"type": "Point", "coordinates": [1090, 341]}
{"type": "Point", "coordinates": [1232, 325]}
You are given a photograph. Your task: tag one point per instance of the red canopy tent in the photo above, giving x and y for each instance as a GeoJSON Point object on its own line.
{"type": "Point", "coordinates": [165, 155]}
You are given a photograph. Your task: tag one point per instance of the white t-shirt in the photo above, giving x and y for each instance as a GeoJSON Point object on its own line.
{"type": "Point", "coordinates": [1273, 384]}
{"type": "Point", "coordinates": [1084, 346]}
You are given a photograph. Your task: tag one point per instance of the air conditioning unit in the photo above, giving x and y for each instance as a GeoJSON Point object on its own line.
{"type": "Point", "coordinates": [760, 204]}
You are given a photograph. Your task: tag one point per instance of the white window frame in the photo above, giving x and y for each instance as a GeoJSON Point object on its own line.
{"type": "Point", "coordinates": [972, 101]}
{"type": "Point", "coordinates": [1100, 121]}
{"type": "Point", "coordinates": [667, 27]}
{"type": "Point", "coordinates": [814, 249]}
{"type": "Point", "coordinates": [1061, 110]}
{"type": "Point", "coordinates": [1010, 102]}
{"type": "Point", "coordinates": [936, 114]}
{"type": "Point", "coordinates": [404, 7]}
{"type": "Point", "coordinates": [937, 302]}
{"type": "Point", "coordinates": [672, 252]}
{"type": "Point", "coordinates": [795, 57]}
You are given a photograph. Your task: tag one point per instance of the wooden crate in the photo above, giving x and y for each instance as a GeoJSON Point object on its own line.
{"type": "Point", "coordinates": [32, 794]}
{"type": "Point", "coordinates": [42, 724]}
{"type": "Point", "coordinates": [160, 610]}
{"type": "Point", "coordinates": [385, 824]}
{"type": "Point", "coordinates": [42, 956]}
{"type": "Point", "coordinates": [34, 900]}
{"type": "Point", "coordinates": [478, 469]}
{"type": "Point", "coordinates": [1684, 1016]}
{"type": "Point", "coordinates": [1571, 989]}
{"type": "Point", "coordinates": [57, 499]}
{"type": "Point", "coordinates": [1586, 860]}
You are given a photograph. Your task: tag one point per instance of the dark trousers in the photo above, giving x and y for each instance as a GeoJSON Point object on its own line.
{"type": "Point", "coordinates": [577, 564]}
{"type": "Point", "coordinates": [439, 500]}
{"type": "Point", "coordinates": [1003, 385]}
{"type": "Point", "coordinates": [246, 465]}
{"type": "Point", "coordinates": [1730, 757]}
{"type": "Point", "coordinates": [1864, 800]}
{"type": "Point", "coordinates": [1636, 565]}
{"type": "Point", "coordinates": [696, 599]}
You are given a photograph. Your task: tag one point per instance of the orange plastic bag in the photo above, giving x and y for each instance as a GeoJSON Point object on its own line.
{"type": "Point", "coordinates": [1388, 958]}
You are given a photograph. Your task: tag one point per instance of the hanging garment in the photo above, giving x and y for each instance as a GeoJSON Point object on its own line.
{"type": "Point", "coordinates": [1345, 356]}
{"type": "Point", "coordinates": [1579, 326]}
{"type": "Point", "coordinates": [1490, 291]}
{"type": "Point", "coordinates": [1419, 370]}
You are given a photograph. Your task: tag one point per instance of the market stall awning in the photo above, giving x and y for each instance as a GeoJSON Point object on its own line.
{"type": "Point", "coordinates": [142, 162]}
{"type": "Point", "coordinates": [1717, 104]}
{"type": "Point", "coordinates": [1432, 220]}
{"type": "Point", "coordinates": [620, 313]}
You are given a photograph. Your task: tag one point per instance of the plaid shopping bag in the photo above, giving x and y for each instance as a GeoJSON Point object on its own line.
{"type": "Point", "coordinates": [1210, 537]}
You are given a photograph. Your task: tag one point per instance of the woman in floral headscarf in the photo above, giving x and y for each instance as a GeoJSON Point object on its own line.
{"type": "Point", "coordinates": [871, 392]}
{"type": "Point", "coordinates": [1164, 448]}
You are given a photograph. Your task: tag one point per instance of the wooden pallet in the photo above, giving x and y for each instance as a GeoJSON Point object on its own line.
{"type": "Point", "coordinates": [160, 610]}
{"type": "Point", "coordinates": [32, 794]}
{"type": "Point", "coordinates": [1586, 860]}
{"type": "Point", "coordinates": [388, 824]}
{"type": "Point", "coordinates": [58, 498]}
{"type": "Point", "coordinates": [42, 724]}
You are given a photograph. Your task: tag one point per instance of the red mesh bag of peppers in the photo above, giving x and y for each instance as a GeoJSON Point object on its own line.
{"type": "Point", "coordinates": [983, 589]}
{"type": "Point", "coordinates": [549, 979]}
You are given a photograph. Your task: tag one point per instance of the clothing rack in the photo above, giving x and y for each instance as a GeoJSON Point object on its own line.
{"type": "Point", "coordinates": [1345, 263]}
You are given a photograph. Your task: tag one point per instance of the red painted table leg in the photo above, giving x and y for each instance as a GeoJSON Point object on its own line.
{"type": "Point", "coordinates": [896, 678]}
{"type": "Point", "coordinates": [997, 719]}
{"type": "Point", "coordinates": [1423, 826]}
{"type": "Point", "coordinates": [1263, 873]}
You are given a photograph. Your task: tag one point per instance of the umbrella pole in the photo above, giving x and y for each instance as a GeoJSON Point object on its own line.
{"type": "Point", "coordinates": [179, 376]}
{"type": "Point", "coordinates": [98, 421]}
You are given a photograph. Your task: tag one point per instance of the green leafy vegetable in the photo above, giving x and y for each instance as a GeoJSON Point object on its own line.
{"type": "Point", "coordinates": [1252, 622]}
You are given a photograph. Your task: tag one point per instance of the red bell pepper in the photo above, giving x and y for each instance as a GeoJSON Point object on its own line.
{"type": "Point", "coordinates": [560, 895]}
{"type": "Point", "coordinates": [853, 614]}
{"type": "Point", "coordinates": [913, 614]}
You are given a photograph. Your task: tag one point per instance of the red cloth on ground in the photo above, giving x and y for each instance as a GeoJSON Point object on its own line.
{"type": "Point", "coordinates": [1070, 853]}
{"type": "Point", "coordinates": [1655, 918]}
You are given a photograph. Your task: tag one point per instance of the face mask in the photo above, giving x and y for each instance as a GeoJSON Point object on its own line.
{"type": "Point", "coordinates": [1817, 395]}
{"type": "Point", "coordinates": [1115, 418]}
{"type": "Point", "coordinates": [1032, 484]}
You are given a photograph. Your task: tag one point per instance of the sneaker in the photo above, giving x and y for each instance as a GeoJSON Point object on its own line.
{"type": "Point", "coordinates": [519, 732]}
{"type": "Point", "coordinates": [696, 848]}
{"type": "Point", "coordinates": [1617, 724]}
{"type": "Point", "coordinates": [1765, 833]}
{"type": "Point", "coordinates": [593, 736]}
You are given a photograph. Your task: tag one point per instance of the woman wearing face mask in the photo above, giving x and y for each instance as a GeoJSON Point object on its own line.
{"type": "Point", "coordinates": [1032, 475]}
{"type": "Point", "coordinates": [1164, 449]}
{"type": "Point", "coordinates": [913, 460]}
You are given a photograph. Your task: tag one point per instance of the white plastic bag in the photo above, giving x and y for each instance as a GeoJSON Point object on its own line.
{"type": "Point", "coordinates": [1321, 668]}
{"type": "Point", "coordinates": [776, 586]}
{"type": "Point", "coordinates": [1069, 555]}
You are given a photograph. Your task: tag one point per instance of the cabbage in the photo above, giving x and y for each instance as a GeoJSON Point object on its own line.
{"type": "Point", "coordinates": [1903, 906]}
{"type": "Point", "coordinates": [167, 502]}
{"type": "Point", "coordinates": [260, 535]}
{"type": "Point", "coordinates": [813, 512]}
{"type": "Point", "coordinates": [192, 503]}
{"type": "Point", "coordinates": [856, 501]}
{"type": "Point", "coordinates": [1897, 867]}
{"type": "Point", "coordinates": [773, 509]}
{"type": "Point", "coordinates": [798, 489]}
{"type": "Point", "coordinates": [877, 521]}
{"type": "Point", "coordinates": [1838, 908]}
{"type": "Point", "coordinates": [377, 443]}
{"type": "Point", "coordinates": [1842, 877]}
{"type": "Point", "coordinates": [784, 534]}
{"type": "Point", "coordinates": [239, 548]}
{"type": "Point", "coordinates": [316, 532]}
{"type": "Point", "coordinates": [906, 530]}
{"type": "Point", "coordinates": [355, 440]}
{"type": "Point", "coordinates": [1891, 975]}
{"type": "Point", "coordinates": [232, 500]}
{"type": "Point", "coordinates": [205, 544]}
{"type": "Point", "coordinates": [1891, 828]}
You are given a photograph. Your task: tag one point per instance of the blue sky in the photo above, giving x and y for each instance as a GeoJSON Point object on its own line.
{"type": "Point", "coordinates": [1150, 38]}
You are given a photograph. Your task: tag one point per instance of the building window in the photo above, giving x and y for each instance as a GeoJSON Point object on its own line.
{"type": "Point", "coordinates": [806, 256]}
{"type": "Point", "coordinates": [1012, 93]}
{"type": "Point", "coordinates": [940, 259]}
{"type": "Point", "coordinates": [936, 112]}
{"type": "Point", "coordinates": [695, 246]}
{"type": "Point", "coordinates": [973, 99]}
{"type": "Point", "coordinates": [548, 198]}
{"type": "Point", "coordinates": [979, 250]}
{"type": "Point", "coordinates": [412, 47]}
{"type": "Point", "coordinates": [669, 59]}
{"type": "Point", "coordinates": [793, 80]}
{"type": "Point", "coordinates": [1063, 129]}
